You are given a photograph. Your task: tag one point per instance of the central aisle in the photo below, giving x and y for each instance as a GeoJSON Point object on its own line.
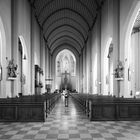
{"type": "Point", "coordinates": [67, 116]}
{"type": "Point", "coordinates": [70, 123]}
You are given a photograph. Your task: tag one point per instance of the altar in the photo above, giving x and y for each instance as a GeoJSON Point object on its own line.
{"type": "Point", "coordinates": [66, 80]}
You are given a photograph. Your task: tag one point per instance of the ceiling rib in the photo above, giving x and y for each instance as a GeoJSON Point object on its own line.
{"type": "Point", "coordinates": [65, 45]}
{"type": "Point", "coordinates": [65, 36]}
{"type": "Point", "coordinates": [65, 32]}
{"type": "Point", "coordinates": [86, 8]}
{"type": "Point", "coordinates": [48, 3]}
{"type": "Point", "coordinates": [68, 10]}
{"type": "Point", "coordinates": [66, 21]}
{"type": "Point", "coordinates": [45, 5]}
{"type": "Point", "coordinates": [47, 37]}
{"type": "Point", "coordinates": [68, 14]}
{"type": "Point", "coordinates": [62, 19]}
{"type": "Point", "coordinates": [66, 42]}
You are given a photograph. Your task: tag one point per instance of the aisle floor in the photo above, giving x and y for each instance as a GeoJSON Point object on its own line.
{"type": "Point", "coordinates": [70, 123]}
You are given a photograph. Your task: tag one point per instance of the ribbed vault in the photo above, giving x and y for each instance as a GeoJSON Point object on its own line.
{"type": "Point", "coordinates": [66, 21]}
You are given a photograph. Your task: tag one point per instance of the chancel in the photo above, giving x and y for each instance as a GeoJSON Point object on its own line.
{"type": "Point", "coordinates": [66, 81]}
{"type": "Point", "coordinates": [65, 78]}
{"type": "Point", "coordinates": [70, 69]}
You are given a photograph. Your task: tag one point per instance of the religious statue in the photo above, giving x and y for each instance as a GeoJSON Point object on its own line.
{"type": "Point", "coordinates": [12, 68]}
{"type": "Point", "coordinates": [119, 71]}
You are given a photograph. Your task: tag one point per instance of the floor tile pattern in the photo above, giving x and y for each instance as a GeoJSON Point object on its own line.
{"type": "Point", "coordinates": [70, 123]}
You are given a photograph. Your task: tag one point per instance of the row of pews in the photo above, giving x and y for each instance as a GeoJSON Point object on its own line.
{"type": "Point", "coordinates": [32, 108]}
{"type": "Point", "coordinates": [99, 107]}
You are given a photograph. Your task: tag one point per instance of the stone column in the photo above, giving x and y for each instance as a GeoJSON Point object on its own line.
{"type": "Point", "coordinates": [50, 68]}
{"type": "Point", "coordinates": [116, 43]}
{"type": "Point", "coordinates": [84, 71]}
{"type": "Point", "coordinates": [42, 60]}
{"type": "Point", "coordinates": [14, 50]}
{"type": "Point", "coordinates": [32, 54]}
{"type": "Point", "coordinates": [46, 61]}
{"type": "Point", "coordinates": [99, 53]}
{"type": "Point", "coordinates": [81, 73]}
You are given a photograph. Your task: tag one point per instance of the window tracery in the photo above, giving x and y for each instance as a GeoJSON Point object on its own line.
{"type": "Point", "coordinates": [65, 62]}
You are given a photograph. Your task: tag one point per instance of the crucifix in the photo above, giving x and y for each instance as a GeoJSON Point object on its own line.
{"type": "Point", "coordinates": [65, 78]}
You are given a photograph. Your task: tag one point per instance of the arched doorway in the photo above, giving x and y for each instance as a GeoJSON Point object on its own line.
{"type": "Point", "coordinates": [65, 72]}
{"type": "Point", "coordinates": [108, 68]}
{"type": "Point", "coordinates": [131, 53]}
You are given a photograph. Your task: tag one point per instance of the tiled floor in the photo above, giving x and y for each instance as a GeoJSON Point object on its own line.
{"type": "Point", "coordinates": [70, 123]}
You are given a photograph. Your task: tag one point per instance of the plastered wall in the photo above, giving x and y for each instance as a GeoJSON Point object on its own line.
{"type": "Point", "coordinates": [18, 21]}
{"type": "Point", "coordinates": [5, 28]}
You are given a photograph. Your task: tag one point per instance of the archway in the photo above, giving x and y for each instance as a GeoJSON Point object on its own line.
{"type": "Point", "coordinates": [65, 73]}
{"type": "Point", "coordinates": [108, 68]}
{"type": "Point", "coordinates": [3, 73]}
{"type": "Point", "coordinates": [22, 66]}
{"type": "Point", "coordinates": [134, 59]}
{"type": "Point", "coordinates": [74, 51]}
{"type": "Point", "coordinates": [131, 54]}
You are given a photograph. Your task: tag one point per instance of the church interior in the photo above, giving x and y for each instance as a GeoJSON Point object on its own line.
{"type": "Point", "coordinates": [69, 69]}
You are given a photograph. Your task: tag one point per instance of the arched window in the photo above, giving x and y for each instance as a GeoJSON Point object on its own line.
{"type": "Point", "coordinates": [65, 62]}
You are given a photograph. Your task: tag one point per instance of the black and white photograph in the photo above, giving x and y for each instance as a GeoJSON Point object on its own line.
{"type": "Point", "coordinates": [69, 70]}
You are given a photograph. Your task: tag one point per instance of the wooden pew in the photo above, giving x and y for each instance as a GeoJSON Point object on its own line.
{"type": "Point", "coordinates": [21, 112]}
{"type": "Point", "coordinates": [82, 100]}
{"type": "Point", "coordinates": [51, 100]}
{"type": "Point", "coordinates": [115, 109]}
{"type": "Point", "coordinates": [99, 107]}
{"type": "Point", "coordinates": [27, 108]}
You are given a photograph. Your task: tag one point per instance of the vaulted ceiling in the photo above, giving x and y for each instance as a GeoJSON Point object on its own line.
{"type": "Point", "coordinates": [66, 21]}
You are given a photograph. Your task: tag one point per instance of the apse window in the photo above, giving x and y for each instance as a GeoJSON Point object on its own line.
{"type": "Point", "coordinates": [65, 63]}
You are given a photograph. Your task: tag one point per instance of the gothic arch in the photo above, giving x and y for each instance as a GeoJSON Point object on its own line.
{"type": "Point", "coordinates": [75, 53]}
{"type": "Point", "coordinates": [126, 43]}
{"type": "Point", "coordinates": [106, 65]}
{"type": "Point", "coordinates": [23, 66]}
{"type": "Point", "coordinates": [23, 47]}
{"type": "Point", "coordinates": [66, 55]}
{"type": "Point", "coordinates": [2, 59]}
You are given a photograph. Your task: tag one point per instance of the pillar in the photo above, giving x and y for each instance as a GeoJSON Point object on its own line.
{"type": "Point", "coordinates": [42, 61]}
{"type": "Point", "coordinates": [14, 50]}
{"type": "Point", "coordinates": [32, 54]}
{"type": "Point", "coordinates": [116, 44]}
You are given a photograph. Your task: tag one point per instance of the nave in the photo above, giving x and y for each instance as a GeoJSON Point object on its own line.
{"type": "Point", "coordinates": [70, 123]}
